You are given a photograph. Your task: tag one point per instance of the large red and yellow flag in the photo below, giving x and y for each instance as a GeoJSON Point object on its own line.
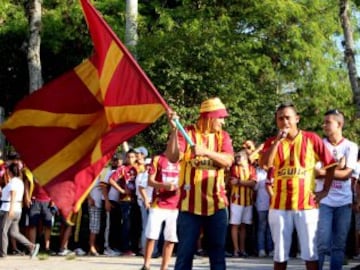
{"type": "Point", "coordinates": [68, 130]}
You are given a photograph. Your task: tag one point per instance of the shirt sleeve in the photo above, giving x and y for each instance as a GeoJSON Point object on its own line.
{"type": "Point", "coordinates": [321, 150]}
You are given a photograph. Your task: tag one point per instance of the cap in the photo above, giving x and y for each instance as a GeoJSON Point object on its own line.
{"type": "Point", "coordinates": [213, 108]}
{"type": "Point", "coordinates": [142, 150]}
{"type": "Point", "coordinates": [147, 161]}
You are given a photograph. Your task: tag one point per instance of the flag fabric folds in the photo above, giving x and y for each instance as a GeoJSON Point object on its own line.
{"type": "Point", "coordinates": [66, 131]}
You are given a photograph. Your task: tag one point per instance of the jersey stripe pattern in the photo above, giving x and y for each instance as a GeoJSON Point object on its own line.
{"type": "Point", "coordinates": [202, 185]}
{"type": "Point", "coordinates": [242, 195]}
{"type": "Point", "coordinates": [294, 170]}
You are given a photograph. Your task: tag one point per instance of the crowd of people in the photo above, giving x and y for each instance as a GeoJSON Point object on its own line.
{"type": "Point", "coordinates": [200, 197]}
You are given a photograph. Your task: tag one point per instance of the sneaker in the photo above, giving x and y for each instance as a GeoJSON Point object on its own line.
{"type": "Point", "coordinates": [65, 252]}
{"type": "Point", "coordinates": [243, 254]}
{"type": "Point", "coordinates": [79, 252]}
{"type": "Point", "coordinates": [109, 252]}
{"type": "Point", "coordinates": [17, 252]}
{"type": "Point", "coordinates": [144, 268]}
{"type": "Point", "coordinates": [262, 253]}
{"type": "Point", "coordinates": [50, 252]}
{"type": "Point", "coordinates": [93, 253]}
{"type": "Point", "coordinates": [35, 251]}
{"type": "Point", "coordinates": [128, 253]}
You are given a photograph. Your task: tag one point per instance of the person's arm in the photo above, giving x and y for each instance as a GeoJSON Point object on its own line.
{"type": "Point", "coordinates": [267, 157]}
{"type": "Point", "coordinates": [172, 151]}
{"type": "Point", "coordinates": [12, 203]}
{"type": "Point", "coordinates": [222, 160]}
{"type": "Point", "coordinates": [27, 198]}
{"type": "Point", "coordinates": [158, 185]}
{"type": "Point", "coordinates": [329, 176]}
{"type": "Point", "coordinates": [144, 197]}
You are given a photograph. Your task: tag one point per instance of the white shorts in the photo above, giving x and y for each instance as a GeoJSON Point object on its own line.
{"type": "Point", "coordinates": [156, 217]}
{"type": "Point", "coordinates": [282, 224]}
{"type": "Point", "coordinates": [240, 214]}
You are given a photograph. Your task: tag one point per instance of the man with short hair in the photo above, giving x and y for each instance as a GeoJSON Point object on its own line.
{"type": "Point", "coordinates": [293, 154]}
{"type": "Point", "coordinates": [336, 208]}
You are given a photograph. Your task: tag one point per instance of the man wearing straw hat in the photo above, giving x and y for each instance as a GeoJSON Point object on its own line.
{"type": "Point", "coordinates": [203, 156]}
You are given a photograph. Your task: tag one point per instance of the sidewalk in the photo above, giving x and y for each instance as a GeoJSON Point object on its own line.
{"type": "Point", "coordinates": [135, 263]}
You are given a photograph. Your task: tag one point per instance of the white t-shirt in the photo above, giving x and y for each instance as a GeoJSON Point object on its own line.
{"type": "Point", "coordinates": [142, 181]}
{"type": "Point", "coordinates": [113, 194]}
{"type": "Point", "coordinates": [96, 193]}
{"type": "Point", "coordinates": [340, 192]}
{"type": "Point", "coordinates": [262, 202]}
{"type": "Point", "coordinates": [17, 185]}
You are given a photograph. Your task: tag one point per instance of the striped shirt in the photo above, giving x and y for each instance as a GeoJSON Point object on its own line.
{"type": "Point", "coordinates": [294, 170]}
{"type": "Point", "coordinates": [242, 195]}
{"type": "Point", "coordinates": [201, 182]}
{"type": "Point", "coordinates": [165, 172]}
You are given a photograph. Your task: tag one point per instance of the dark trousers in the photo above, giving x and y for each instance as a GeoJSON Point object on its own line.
{"type": "Point", "coordinates": [214, 227]}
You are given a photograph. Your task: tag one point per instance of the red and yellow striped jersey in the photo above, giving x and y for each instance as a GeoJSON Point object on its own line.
{"type": "Point", "coordinates": [242, 195]}
{"type": "Point", "coordinates": [294, 170]}
{"type": "Point", "coordinates": [201, 182]}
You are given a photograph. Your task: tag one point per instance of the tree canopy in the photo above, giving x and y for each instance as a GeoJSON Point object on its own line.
{"type": "Point", "coordinates": [252, 54]}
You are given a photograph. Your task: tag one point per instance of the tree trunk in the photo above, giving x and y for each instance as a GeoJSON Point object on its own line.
{"type": "Point", "coordinates": [33, 52]}
{"type": "Point", "coordinates": [350, 52]}
{"type": "Point", "coordinates": [131, 36]}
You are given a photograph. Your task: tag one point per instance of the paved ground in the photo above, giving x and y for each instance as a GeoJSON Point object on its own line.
{"type": "Point", "coordinates": [134, 263]}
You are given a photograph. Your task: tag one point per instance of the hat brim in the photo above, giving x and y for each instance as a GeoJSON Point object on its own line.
{"type": "Point", "coordinates": [221, 113]}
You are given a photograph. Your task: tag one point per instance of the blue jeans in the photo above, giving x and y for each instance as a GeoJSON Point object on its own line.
{"type": "Point", "coordinates": [333, 228]}
{"type": "Point", "coordinates": [263, 234]}
{"type": "Point", "coordinates": [215, 229]}
{"type": "Point", "coordinates": [125, 208]}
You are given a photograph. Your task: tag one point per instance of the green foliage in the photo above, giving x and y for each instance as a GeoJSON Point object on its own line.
{"type": "Point", "coordinates": [252, 54]}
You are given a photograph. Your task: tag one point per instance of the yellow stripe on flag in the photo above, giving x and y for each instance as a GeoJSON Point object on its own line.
{"type": "Point", "coordinates": [96, 153]}
{"type": "Point", "coordinates": [112, 60]}
{"type": "Point", "coordinates": [71, 153]}
{"type": "Point", "coordinates": [142, 113]}
{"type": "Point", "coordinates": [88, 74]}
{"type": "Point", "coordinates": [39, 118]}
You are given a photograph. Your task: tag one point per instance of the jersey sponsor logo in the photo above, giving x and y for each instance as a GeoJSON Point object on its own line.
{"type": "Point", "coordinates": [290, 172]}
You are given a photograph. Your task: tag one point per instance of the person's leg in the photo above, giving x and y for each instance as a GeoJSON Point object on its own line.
{"type": "Point", "coordinates": [166, 254]}
{"type": "Point", "coordinates": [324, 232]}
{"type": "Point", "coordinates": [5, 223]}
{"type": "Point", "coordinates": [280, 265]}
{"type": "Point", "coordinates": [341, 226]}
{"type": "Point", "coordinates": [188, 232]}
{"type": "Point", "coordinates": [125, 226]}
{"type": "Point", "coordinates": [144, 217]}
{"type": "Point", "coordinates": [65, 238]}
{"type": "Point", "coordinates": [215, 228]}
{"type": "Point", "coordinates": [242, 238]}
{"type": "Point", "coordinates": [261, 231]}
{"type": "Point", "coordinates": [15, 233]}
{"type": "Point", "coordinates": [306, 222]}
{"type": "Point", "coordinates": [282, 226]}
{"type": "Point", "coordinates": [236, 212]}
{"type": "Point", "coordinates": [149, 247]}
{"type": "Point", "coordinates": [235, 238]}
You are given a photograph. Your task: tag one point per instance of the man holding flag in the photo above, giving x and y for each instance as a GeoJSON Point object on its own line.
{"type": "Point", "coordinates": [203, 201]}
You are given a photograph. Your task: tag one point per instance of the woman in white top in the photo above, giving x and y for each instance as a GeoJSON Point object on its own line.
{"type": "Point", "coordinates": [10, 212]}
